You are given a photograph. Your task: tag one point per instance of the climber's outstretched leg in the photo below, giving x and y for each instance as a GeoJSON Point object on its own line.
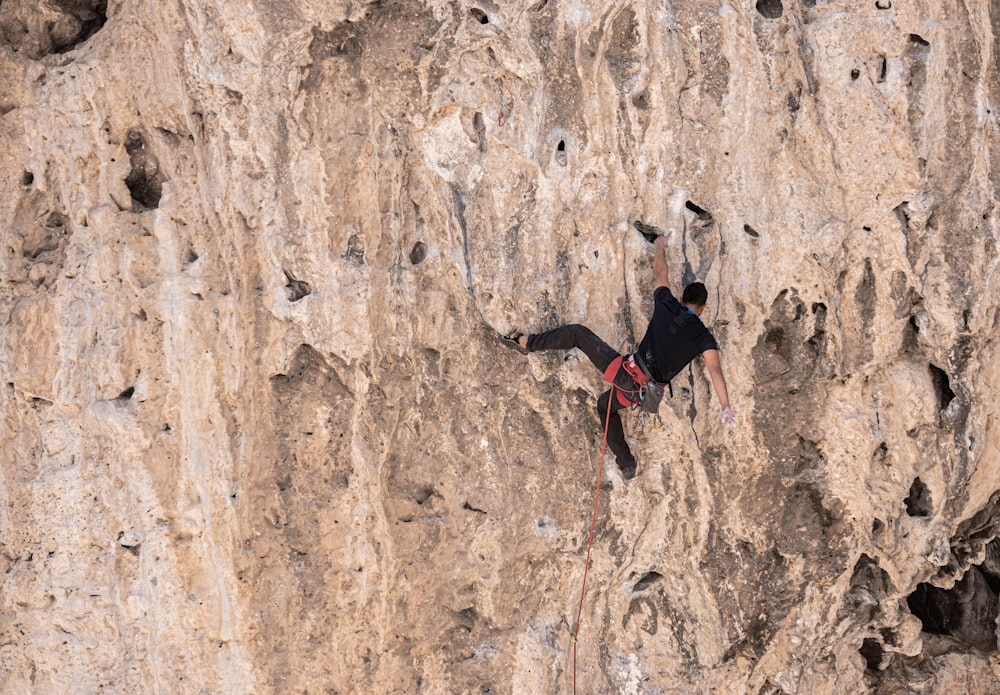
{"type": "Point", "coordinates": [574, 336]}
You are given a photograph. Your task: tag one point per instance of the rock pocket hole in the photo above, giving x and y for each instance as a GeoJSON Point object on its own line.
{"type": "Point", "coordinates": [479, 15]}
{"type": "Point", "coordinates": [89, 21]}
{"type": "Point", "coordinates": [702, 214]}
{"type": "Point", "coordinates": [918, 502]}
{"type": "Point", "coordinates": [27, 178]}
{"type": "Point", "coordinates": [883, 68]}
{"type": "Point", "coordinates": [648, 580]}
{"type": "Point", "coordinates": [919, 40]}
{"type": "Point", "coordinates": [297, 289]}
{"type": "Point", "coordinates": [855, 74]}
{"type": "Point", "coordinates": [561, 153]}
{"type": "Point", "coordinates": [883, 4]}
{"type": "Point", "coordinates": [418, 253]}
{"type": "Point", "coordinates": [902, 212]}
{"type": "Point", "coordinates": [751, 231]}
{"type": "Point", "coordinates": [144, 181]}
{"type": "Point", "coordinates": [772, 9]}
{"type": "Point", "coordinates": [966, 612]}
{"type": "Point", "coordinates": [872, 652]}
{"type": "Point", "coordinates": [64, 25]}
{"type": "Point", "coordinates": [648, 231]}
{"type": "Point", "coordinates": [942, 386]}
{"type": "Point", "coordinates": [131, 547]}
{"type": "Point", "coordinates": [126, 395]}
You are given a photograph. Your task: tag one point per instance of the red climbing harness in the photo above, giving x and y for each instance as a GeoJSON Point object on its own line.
{"type": "Point", "coordinates": [628, 398]}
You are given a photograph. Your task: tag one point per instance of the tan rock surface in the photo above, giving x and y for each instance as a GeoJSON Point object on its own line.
{"type": "Point", "coordinates": [258, 435]}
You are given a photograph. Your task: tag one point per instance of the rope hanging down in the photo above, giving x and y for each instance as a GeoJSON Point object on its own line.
{"type": "Point", "coordinates": [590, 541]}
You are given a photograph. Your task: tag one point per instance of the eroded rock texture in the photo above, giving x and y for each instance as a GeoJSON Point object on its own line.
{"type": "Point", "coordinates": [258, 435]}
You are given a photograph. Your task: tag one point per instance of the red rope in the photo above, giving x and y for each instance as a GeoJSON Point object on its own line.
{"type": "Point", "coordinates": [593, 520]}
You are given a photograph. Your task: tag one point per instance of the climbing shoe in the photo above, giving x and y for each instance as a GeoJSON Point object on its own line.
{"type": "Point", "coordinates": [627, 469]}
{"type": "Point", "coordinates": [512, 340]}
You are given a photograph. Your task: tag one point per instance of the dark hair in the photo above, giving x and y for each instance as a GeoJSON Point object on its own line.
{"type": "Point", "coordinates": [695, 294]}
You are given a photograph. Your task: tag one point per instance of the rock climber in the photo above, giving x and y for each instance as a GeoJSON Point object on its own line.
{"type": "Point", "coordinates": [674, 337]}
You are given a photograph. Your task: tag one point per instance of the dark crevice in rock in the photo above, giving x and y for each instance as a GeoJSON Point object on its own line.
{"type": "Point", "coordinates": [870, 584]}
{"type": "Point", "coordinates": [297, 289]}
{"type": "Point", "coordinates": [61, 27]}
{"type": "Point", "coordinates": [479, 15]}
{"type": "Point", "coordinates": [702, 214]}
{"type": "Point", "coordinates": [91, 20]}
{"type": "Point", "coordinates": [144, 181]}
{"type": "Point", "coordinates": [817, 341]}
{"type": "Point", "coordinates": [961, 601]}
{"type": "Point", "coordinates": [966, 612]}
{"type": "Point", "coordinates": [479, 126]}
{"type": "Point", "coordinates": [751, 231]}
{"type": "Point", "coordinates": [902, 212]}
{"type": "Point", "coordinates": [919, 502]}
{"type": "Point", "coordinates": [772, 9]}
{"type": "Point", "coordinates": [942, 386]}
{"type": "Point", "coordinates": [418, 253]}
{"type": "Point", "coordinates": [647, 580]}
{"type": "Point", "coordinates": [648, 231]}
{"type": "Point", "coordinates": [872, 652]}
{"type": "Point", "coordinates": [131, 547]}
{"type": "Point", "coordinates": [126, 395]}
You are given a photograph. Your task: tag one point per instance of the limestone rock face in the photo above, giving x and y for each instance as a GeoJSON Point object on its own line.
{"type": "Point", "coordinates": [257, 434]}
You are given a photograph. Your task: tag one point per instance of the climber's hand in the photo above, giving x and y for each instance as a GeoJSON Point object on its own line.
{"type": "Point", "coordinates": [729, 416]}
{"type": "Point", "coordinates": [661, 241]}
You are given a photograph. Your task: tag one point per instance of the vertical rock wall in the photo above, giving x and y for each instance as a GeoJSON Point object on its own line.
{"type": "Point", "coordinates": [257, 432]}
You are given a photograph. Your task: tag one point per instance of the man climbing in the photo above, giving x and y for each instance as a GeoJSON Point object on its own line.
{"type": "Point", "coordinates": [674, 337]}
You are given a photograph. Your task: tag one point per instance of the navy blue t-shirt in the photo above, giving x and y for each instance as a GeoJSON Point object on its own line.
{"type": "Point", "coordinates": [675, 336]}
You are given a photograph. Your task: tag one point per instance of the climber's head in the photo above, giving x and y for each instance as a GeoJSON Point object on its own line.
{"type": "Point", "coordinates": [695, 297]}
